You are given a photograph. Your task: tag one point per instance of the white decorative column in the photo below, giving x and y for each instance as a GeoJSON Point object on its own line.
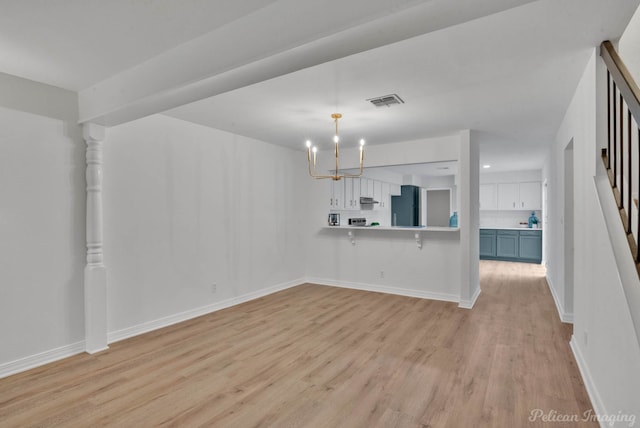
{"type": "Point", "coordinates": [95, 273]}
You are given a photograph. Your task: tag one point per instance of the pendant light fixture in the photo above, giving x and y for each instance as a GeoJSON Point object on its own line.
{"type": "Point", "coordinates": [336, 139]}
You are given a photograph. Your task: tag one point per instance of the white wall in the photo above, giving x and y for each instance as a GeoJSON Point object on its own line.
{"type": "Point", "coordinates": [628, 46]}
{"type": "Point", "coordinates": [188, 206]}
{"type": "Point", "coordinates": [185, 207]}
{"type": "Point", "coordinates": [425, 150]}
{"type": "Point", "coordinates": [604, 340]}
{"type": "Point", "coordinates": [510, 176]}
{"type": "Point", "coordinates": [42, 223]}
{"type": "Point", "coordinates": [391, 261]}
{"type": "Point", "coordinates": [387, 261]}
{"type": "Point", "coordinates": [469, 220]}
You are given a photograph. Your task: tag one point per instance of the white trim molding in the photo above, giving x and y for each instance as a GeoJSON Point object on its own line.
{"type": "Point", "coordinates": [148, 326]}
{"type": "Point", "coordinates": [468, 304]}
{"type": "Point", "coordinates": [40, 359]}
{"type": "Point", "coordinates": [46, 357]}
{"type": "Point", "coordinates": [592, 391]}
{"type": "Point", "coordinates": [565, 317]}
{"type": "Point", "coordinates": [407, 292]}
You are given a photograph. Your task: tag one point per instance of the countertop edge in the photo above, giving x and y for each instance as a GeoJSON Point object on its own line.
{"type": "Point", "coordinates": [509, 228]}
{"type": "Point", "coordinates": [396, 228]}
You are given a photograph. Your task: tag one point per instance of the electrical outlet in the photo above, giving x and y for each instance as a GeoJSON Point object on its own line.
{"type": "Point", "coordinates": [381, 274]}
{"type": "Point", "coordinates": [214, 287]}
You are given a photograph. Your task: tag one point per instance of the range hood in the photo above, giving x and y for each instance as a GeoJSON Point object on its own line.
{"type": "Point", "coordinates": [365, 200]}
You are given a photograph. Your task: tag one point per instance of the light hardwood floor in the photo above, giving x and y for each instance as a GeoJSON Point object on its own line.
{"type": "Point", "coordinates": [316, 356]}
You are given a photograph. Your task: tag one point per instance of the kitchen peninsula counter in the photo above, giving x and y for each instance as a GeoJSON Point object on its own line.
{"type": "Point", "coordinates": [398, 228]}
{"type": "Point", "coordinates": [509, 228]}
{"type": "Point", "coordinates": [417, 232]}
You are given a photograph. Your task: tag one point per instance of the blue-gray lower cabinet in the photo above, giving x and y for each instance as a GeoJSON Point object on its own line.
{"type": "Point", "coordinates": [511, 245]}
{"type": "Point", "coordinates": [530, 245]}
{"type": "Point", "coordinates": [487, 243]}
{"type": "Point", "coordinates": [507, 244]}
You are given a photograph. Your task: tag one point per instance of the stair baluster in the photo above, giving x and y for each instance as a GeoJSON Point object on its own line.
{"type": "Point", "coordinates": [623, 96]}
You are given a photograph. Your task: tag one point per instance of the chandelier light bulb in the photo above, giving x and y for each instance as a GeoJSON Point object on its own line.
{"type": "Point", "coordinates": [336, 175]}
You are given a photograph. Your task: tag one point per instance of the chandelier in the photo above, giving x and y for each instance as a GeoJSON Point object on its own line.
{"type": "Point", "coordinates": [337, 176]}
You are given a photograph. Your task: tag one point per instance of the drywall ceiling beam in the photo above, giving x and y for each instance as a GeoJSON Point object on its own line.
{"type": "Point", "coordinates": [282, 38]}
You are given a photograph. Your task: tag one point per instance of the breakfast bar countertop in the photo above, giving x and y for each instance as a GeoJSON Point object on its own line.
{"type": "Point", "coordinates": [409, 228]}
{"type": "Point", "coordinates": [510, 228]}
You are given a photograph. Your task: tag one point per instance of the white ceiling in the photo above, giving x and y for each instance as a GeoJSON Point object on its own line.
{"type": "Point", "coordinates": [73, 44]}
{"type": "Point", "coordinates": [509, 76]}
{"type": "Point", "coordinates": [503, 68]}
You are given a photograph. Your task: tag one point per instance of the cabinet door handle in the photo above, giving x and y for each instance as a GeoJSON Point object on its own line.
{"type": "Point", "coordinates": [522, 204]}
{"type": "Point", "coordinates": [514, 205]}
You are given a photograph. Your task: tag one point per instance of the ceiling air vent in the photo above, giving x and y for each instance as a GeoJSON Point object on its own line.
{"type": "Point", "coordinates": [386, 100]}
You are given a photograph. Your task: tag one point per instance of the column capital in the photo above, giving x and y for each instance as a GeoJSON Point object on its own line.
{"type": "Point", "coordinates": [93, 132]}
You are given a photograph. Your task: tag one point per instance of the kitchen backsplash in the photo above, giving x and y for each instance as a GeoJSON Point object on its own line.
{"type": "Point", "coordinates": [381, 216]}
{"type": "Point", "coordinates": [506, 218]}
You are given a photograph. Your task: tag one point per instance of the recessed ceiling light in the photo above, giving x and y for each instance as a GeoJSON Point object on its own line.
{"type": "Point", "coordinates": [486, 166]}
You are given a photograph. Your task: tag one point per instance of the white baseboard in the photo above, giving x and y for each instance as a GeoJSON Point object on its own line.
{"type": "Point", "coordinates": [407, 292]}
{"type": "Point", "coordinates": [50, 356]}
{"type": "Point", "coordinates": [592, 391]}
{"type": "Point", "coordinates": [565, 317]}
{"type": "Point", "coordinates": [95, 351]}
{"type": "Point", "coordinates": [468, 304]}
{"type": "Point", "coordinates": [146, 327]}
{"type": "Point", "coordinates": [36, 360]}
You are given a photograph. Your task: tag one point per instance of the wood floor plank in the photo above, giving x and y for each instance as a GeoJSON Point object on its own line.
{"type": "Point", "coordinates": [318, 356]}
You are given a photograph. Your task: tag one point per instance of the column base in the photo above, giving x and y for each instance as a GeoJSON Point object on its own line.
{"type": "Point", "coordinates": [95, 309]}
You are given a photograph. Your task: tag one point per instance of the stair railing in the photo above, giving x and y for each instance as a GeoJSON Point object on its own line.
{"type": "Point", "coordinates": [622, 155]}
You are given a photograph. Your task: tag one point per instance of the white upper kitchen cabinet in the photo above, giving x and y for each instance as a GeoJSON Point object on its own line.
{"type": "Point", "coordinates": [508, 196]}
{"type": "Point", "coordinates": [352, 193]}
{"type": "Point", "coordinates": [336, 193]}
{"type": "Point", "coordinates": [488, 197]}
{"type": "Point", "coordinates": [385, 196]}
{"type": "Point", "coordinates": [366, 187]}
{"type": "Point", "coordinates": [377, 194]}
{"type": "Point", "coordinates": [519, 196]}
{"type": "Point", "coordinates": [348, 194]}
{"type": "Point", "coordinates": [530, 196]}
